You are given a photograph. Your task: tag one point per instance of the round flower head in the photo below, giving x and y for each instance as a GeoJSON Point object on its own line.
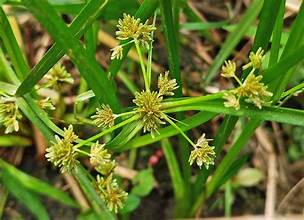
{"type": "Point", "coordinates": [128, 27]}
{"type": "Point", "coordinates": [166, 85]}
{"type": "Point", "coordinates": [149, 107]}
{"type": "Point", "coordinates": [131, 28]}
{"type": "Point", "coordinates": [228, 69]}
{"type": "Point", "coordinates": [99, 154]}
{"type": "Point", "coordinates": [255, 59]}
{"type": "Point", "coordinates": [62, 153]}
{"type": "Point", "coordinates": [57, 75]}
{"type": "Point", "coordinates": [9, 114]}
{"type": "Point", "coordinates": [104, 116]}
{"type": "Point", "coordinates": [46, 104]}
{"type": "Point", "coordinates": [255, 91]}
{"type": "Point", "coordinates": [202, 153]}
{"type": "Point", "coordinates": [109, 190]}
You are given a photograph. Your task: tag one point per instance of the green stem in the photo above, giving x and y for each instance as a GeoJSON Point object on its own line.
{"type": "Point", "coordinates": [83, 152]}
{"type": "Point", "coordinates": [93, 138]}
{"type": "Point", "coordinates": [193, 100]}
{"type": "Point", "coordinates": [176, 177]}
{"type": "Point", "coordinates": [149, 64]}
{"type": "Point", "coordinates": [142, 64]}
{"type": "Point", "coordinates": [179, 129]}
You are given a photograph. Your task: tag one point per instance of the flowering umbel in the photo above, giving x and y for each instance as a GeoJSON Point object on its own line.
{"type": "Point", "coordinates": [62, 153]}
{"type": "Point", "coordinates": [203, 154]}
{"type": "Point", "coordinates": [9, 114]}
{"type": "Point", "coordinates": [104, 116]}
{"type": "Point", "coordinates": [252, 89]}
{"type": "Point", "coordinates": [130, 27]}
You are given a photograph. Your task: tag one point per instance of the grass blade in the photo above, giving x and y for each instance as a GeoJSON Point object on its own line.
{"type": "Point", "coordinates": [234, 38]}
{"type": "Point", "coordinates": [28, 198]}
{"type": "Point", "coordinates": [78, 27]}
{"type": "Point", "coordinates": [89, 68]}
{"type": "Point", "coordinates": [38, 186]}
{"type": "Point", "coordinates": [96, 202]}
{"type": "Point", "coordinates": [12, 48]}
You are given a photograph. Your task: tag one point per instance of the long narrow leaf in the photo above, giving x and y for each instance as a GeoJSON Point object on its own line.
{"type": "Point", "coordinates": [89, 68]}
{"type": "Point", "coordinates": [78, 27]}
{"type": "Point", "coordinates": [38, 186]}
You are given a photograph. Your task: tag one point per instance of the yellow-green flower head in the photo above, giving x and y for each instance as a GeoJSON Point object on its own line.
{"type": "Point", "coordinates": [62, 153]}
{"type": "Point", "coordinates": [99, 154]}
{"type": "Point", "coordinates": [228, 69]}
{"type": "Point", "coordinates": [255, 59]}
{"type": "Point", "coordinates": [104, 116]}
{"type": "Point", "coordinates": [231, 100]}
{"type": "Point", "coordinates": [114, 196]}
{"type": "Point", "coordinates": [46, 104]}
{"type": "Point", "coordinates": [202, 153]}
{"type": "Point", "coordinates": [57, 75]}
{"type": "Point", "coordinates": [255, 91]}
{"type": "Point", "coordinates": [166, 85]}
{"type": "Point", "coordinates": [106, 167]}
{"type": "Point", "coordinates": [117, 53]}
{"type": "Point", "coordinates": [9, 114]}
{"type": "Point", "coordinates": [131, 28]}
{"type": "Point", "coordinates": [149, 107]}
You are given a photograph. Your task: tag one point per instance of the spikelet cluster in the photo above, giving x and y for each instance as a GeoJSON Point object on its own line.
{"type": "Point", "coordinates": [252, 90]}
{"type": "Point", "coordinates": [63, 153]}
{"type": "Point", "coordinates": [104, 117]}
{"type": "Point", "coordinates": [130, 27]}
{"type": "Point", "coordinates": [56, 76]}
{"type": "Point", "coordinates": [149, 103]}
{"type": "Point", "coordinates": [46, 104]}
{"type": "Point", "coordinates": [9, 114]}
{"type": "Point", "coordinates": [106, 184]}
{"type": "Point", "coordinates": [203, 153]}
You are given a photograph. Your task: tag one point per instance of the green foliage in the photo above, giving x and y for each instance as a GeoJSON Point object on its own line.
{"type": "Point", "coordinates": [148, 114]}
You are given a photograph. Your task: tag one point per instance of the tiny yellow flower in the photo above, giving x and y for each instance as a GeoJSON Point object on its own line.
{"type": "Point", "coordinates": [62, 153]}
{"type": "Point", "coordinates": [9, 114]}
{"type": "Point", "coordinates": [117, 53]}
{"type": "Point", "coordinates": [99, 154]}
{"type": "Point", "coordinates": [228, 69]}
{"type": "Point", "coordinates": [104, 116]}
{"type": "Point", "coordinates": [202, 153]}
{"type": "Point", "coordinates": [255, 91]}
{"type": "Point", "coordinates": [231, 100]}
{"type": "Point", "coordinates": [166, 85]}
{"type": "Point", "coordinates": [255, 59]}
{"type": "Point", "coordinates": [131, 28]}
{"type": "Point", "coordinates": [57, 75]}
{"type": "Point", "coordinates": [109, 190]}
{"type": "Point", "coordinates": [149, 107]}
{"type": "Point", "coordinates": [46, 104]}
{"type": "Point", "coordinates": [128, 27]}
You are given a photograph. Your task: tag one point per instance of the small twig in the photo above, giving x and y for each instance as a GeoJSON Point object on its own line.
{"type": "Point", "coordinates": [271, 192]}
{"type": "Point", "coordinates": [290, 194]}
{"type": "Point", "coordinates": [76, 191]}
